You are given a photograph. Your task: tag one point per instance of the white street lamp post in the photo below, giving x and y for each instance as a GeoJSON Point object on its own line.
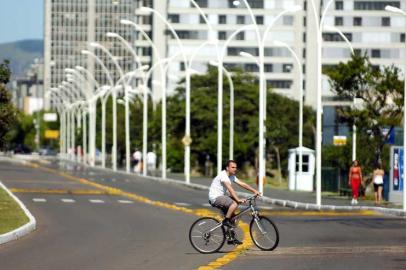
{"type": "Point", "coordinates": [299, 66]}
{"type": "Point", "coordinates": [319, 23]}
{"type": "Point", "coordinates": [401, 12]}
{"type": "Point", "coordinates": [114, 95]}
{"type": "Point", "coordinates": [127, 108]}
{"type": "Point", "coordinates": [187, 87]}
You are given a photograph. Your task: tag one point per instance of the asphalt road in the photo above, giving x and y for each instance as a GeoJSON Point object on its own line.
{"type": "Point", "coordinates": [79, 228]}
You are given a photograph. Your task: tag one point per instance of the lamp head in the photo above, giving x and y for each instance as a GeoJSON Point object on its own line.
{"type": "Point", "coordinates": [395, 10]}
{"type": "Point", "coordinates": [236, 3]}
{"type": "Point", "coordinates": [94, 45]}
{"type": "Point", "coordinates": [245, 54]}
{"type": "Point", "coordinates": [111, 35]}
{"type": "Point", "coordinates": [85, 52]}
{"type": "Point", "coordinates": [145, 10]}
{"type": "Point", "coordinates": [126, 22]}
{"type": "Point", "coordinates": [213, 63]}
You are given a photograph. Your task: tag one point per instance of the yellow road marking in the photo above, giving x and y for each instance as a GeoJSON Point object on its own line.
{"type": "Point", "coordinates": [247, 242]}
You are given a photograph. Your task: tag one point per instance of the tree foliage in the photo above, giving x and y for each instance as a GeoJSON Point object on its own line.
{"type": "Point", "coordinates": [381, 93]}
{"type": "Point", "coordinates": [7, 109]}
{"type": "Point", "coordinates": [281, 122]}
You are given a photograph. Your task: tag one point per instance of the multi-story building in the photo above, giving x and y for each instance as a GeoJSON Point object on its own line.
{"type": "Point", "coordinates": [369, 28]}
{"type": "Point", "coordinates": [71, 25]}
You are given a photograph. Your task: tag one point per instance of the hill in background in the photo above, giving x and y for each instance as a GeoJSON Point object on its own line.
{"type": "Point", "coordinates": [21, 54]}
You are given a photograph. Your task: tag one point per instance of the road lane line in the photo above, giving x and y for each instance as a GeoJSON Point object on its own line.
{"type": "Point", "coordinates": [96, 201]}
{"type": "Point", "coordinates": [68, 200]}
{"type": "Point", "coordinates": [58, 191]}
{"type": "Point", "coordinates": [182, 204]}
{"type": "Point", "coordinates": [125, 201]}
{"type": "Point", "coordinates": [39, 200]}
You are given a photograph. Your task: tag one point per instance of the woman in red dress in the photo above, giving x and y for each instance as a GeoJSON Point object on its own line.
{"type": "Point", "coordinates": [355, 180]}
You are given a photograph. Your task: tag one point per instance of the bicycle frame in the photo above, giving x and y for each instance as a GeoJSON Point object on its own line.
{"type": "Point", "coordinates": [250, 207]}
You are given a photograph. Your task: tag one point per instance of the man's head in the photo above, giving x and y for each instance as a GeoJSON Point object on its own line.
{"type": "Point", "coordinates": [231, 167]}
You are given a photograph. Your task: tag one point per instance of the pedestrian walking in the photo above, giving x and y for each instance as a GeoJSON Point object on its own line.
{"type": "Point", "coordinates": [355, 180]}
{"type": "Point", "coordinates": [137, 156]}
{"type": "Point", "coordinates": [377, 177]}
{"type": "Point", "coordinates": [151, 161]}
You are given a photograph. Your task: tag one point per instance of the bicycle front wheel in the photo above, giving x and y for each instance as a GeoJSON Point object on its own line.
{"type": "Point", "coordinates": [264, 233]}
{"type": "Point", "coordinates": [206, 235]}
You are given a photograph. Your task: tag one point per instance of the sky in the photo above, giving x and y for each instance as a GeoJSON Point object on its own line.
{"type": "Point", "coordinates": [21, 19]}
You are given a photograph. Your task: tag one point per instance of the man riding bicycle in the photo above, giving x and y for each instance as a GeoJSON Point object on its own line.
{"type": "Point", "coordinates": [228, 203]}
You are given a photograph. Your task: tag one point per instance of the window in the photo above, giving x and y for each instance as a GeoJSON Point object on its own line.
{"type": "Point", "coordinates": [222, 19]}
{"type": "Point", "coordinates": [372, 5]}
{"type": "Point", "coordinates": [201, 19]}
{"type": "Point", "coordinates": [281, 84]}
{"type": "Point", "coordinates": [200, 3]}
{"type": "Point", "coordinates": [357, 21]}
{"type": "Point", "coordinates": [338, 21]}
{"type": "Point", "coordinates": [222, 35]}
{"type": "Point", "coordinates": [336, 37]}
{"type": "Point", "coordinates": [268, 68]}
{"type": "Point", "coordinates": [304, 21]}
{"type": "Point", "coordinates": [287, 68]}
{"type": "Point", "coordinates": [385, 21]}
{"type": "Point", "coordinates": [240, 36]}
{"type": "Point", "coordinates": [339, 5]}
{"type": "Point", "coordinates": [251, 67]}
{"type": "Point", "coordinates": [256, 3]}
{"type": "Point", "coordinates": [402, 37]}
{"type": "Point", "coordinates": [375, 53]}
{"type": "Point", "coordinates": [173, 18]}
{"type": "Point", "coordinates": [288, 20]}
{"type": "Point", "coordinates": [305, 163]}
{"type": "Point", "coordinates": [182, 66]}
{"type": "Point", "coordinates": [259, 19]}
{"type": "Point", "coordinates": [240, 19]}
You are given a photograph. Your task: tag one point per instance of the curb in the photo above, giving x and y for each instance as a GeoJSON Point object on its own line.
{"type": "Point", "coordinates": [279, 202]}
{"type": "Point", "coordinates": [23, 230]}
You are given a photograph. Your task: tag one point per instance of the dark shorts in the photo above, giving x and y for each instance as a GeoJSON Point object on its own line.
{"type": "Point", "coordinates": [376, 186]}
{"type": "Point", "coordinates": [223, 203]}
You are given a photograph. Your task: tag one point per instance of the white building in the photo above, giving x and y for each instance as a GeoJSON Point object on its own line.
{"type": "Point", "coordinates": [71, 24]}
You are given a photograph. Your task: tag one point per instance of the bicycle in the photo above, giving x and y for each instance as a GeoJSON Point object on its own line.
{"type": "Point", "coordinates": [207, 234]}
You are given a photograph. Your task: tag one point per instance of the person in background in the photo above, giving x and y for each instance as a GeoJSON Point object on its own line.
{"type": "Point", "coordinates": [355, 180]}
{"type": "Point", "coordinates": [377, 179]}
{"type": "Point", "coordinates": [137, 156]}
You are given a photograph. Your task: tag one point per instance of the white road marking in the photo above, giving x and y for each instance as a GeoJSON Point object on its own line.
{"type": "Point", "coordinates": [68, 200]}
{"type": "Point", "coordinates": [182, 204]}
{"type": "Point", "coordinates": [39, 200]}
{"type": "Point", "coordinates": [96, 201]}
{"type": "Point", "coordinates": [206, 205]}
{"type": "Point", "coordinates": [125, 201]}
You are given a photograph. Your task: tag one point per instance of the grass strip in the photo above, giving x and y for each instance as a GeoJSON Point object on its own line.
{"type": "Point", "coordinates": [11, 215]}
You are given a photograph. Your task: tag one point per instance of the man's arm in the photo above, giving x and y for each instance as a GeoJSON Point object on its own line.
{"type": "Point", "coordinates": [232, 192]}
{"type": "Point", "coordinates": [247, 187]}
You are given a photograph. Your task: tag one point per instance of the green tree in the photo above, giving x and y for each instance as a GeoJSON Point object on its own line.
{"type": "Point", "coordinates": [381, 92]}
{"type": "Point", "coordinates": [282, 119]}
{"type": "Point", "coordinates": [7, 109]}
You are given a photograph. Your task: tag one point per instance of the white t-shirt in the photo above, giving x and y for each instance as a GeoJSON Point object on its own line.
{"type": "Point", "coordinates": [217, 187]}
{"type": "Point", "coordinates": [151, 158]}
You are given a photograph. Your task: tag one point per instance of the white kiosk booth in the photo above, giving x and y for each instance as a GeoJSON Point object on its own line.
{"type": "Point", "coordinates": [304, 181]}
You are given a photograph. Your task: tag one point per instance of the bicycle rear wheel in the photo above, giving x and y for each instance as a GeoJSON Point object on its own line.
{"type": "Point", "coordinates": [264, 233]}
{"type": "Point", "coordinates": [205, 237]}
